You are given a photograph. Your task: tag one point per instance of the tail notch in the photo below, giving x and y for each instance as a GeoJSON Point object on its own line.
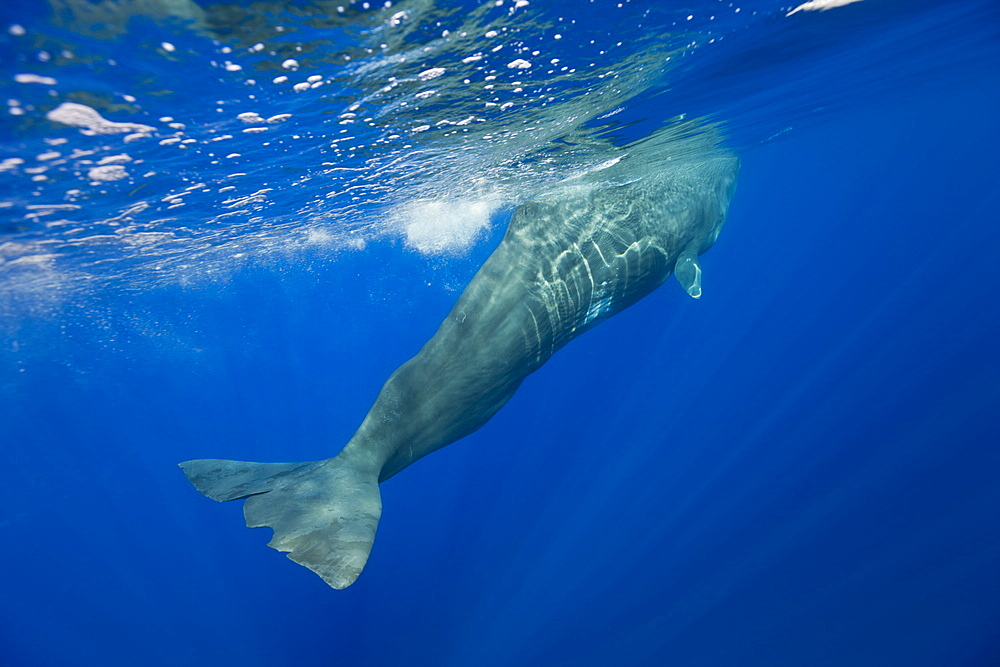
{"type": "Point", "coordinates": [324, 513]}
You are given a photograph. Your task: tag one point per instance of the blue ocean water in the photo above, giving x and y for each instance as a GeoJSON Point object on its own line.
{"type": "Point", "coordinates": [800, 468]}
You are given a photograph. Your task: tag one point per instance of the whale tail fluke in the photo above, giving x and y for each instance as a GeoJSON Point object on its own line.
{"type": "Point", "coordinates": [324, 513]}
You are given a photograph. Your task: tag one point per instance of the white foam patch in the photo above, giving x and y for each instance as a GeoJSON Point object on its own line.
{"type": "Point", "coordinates": [115, 159]}
{"type": "Point", "coordinates": [820, 5]}
{"type": "Point", "coordinates": [91, 122]}
{"type": "Point", "coordinates": [35, 78]}
{"type": "Point", "coordinates": [111, 172]}
{"type": "Point", "coordinates": [10, 163]}
{"type": "Point", "coordinates": [444, 227]}
{"type": "Point", "coordinates": [250, 117]}
{"type": "Point", "coordinates": [431, 73]}
{"type": "Point", "coordinates": [319, 236]}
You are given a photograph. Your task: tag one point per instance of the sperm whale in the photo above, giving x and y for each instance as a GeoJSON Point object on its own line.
{"type": "Point", "coordinates": [569, 260]}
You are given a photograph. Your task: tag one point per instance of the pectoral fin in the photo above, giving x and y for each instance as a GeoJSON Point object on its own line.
{"type": "Point", "coordinates": [688, 273]}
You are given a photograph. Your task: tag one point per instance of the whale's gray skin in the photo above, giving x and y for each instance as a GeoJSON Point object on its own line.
{"type": "Point", "coordinates": [568, 261]}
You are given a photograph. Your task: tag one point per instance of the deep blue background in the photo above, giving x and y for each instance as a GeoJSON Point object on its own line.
{"type": "Point", "coordinates": [800, 468]}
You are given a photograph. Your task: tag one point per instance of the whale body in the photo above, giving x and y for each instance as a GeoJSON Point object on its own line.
{"type": "Point", "coordinates": [569, 260]}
